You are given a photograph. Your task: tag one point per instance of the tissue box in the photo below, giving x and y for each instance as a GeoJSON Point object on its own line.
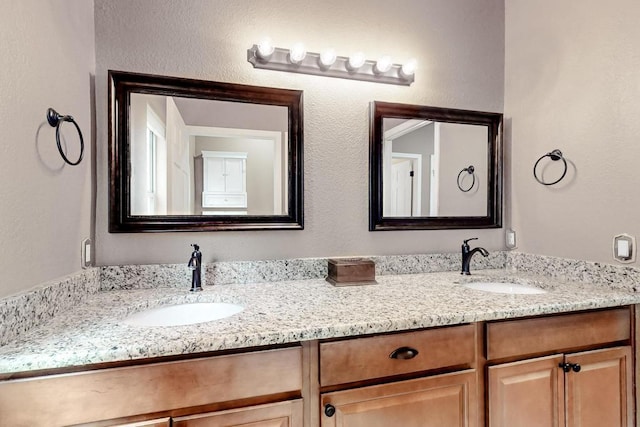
{"type": "Point", "coordinates": [351, 272]}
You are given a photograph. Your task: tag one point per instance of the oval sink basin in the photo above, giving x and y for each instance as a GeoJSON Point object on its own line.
{"type": "Point", "coordinates": [183, 314]}
{"type": "Point", "coordinates": [505, 288]}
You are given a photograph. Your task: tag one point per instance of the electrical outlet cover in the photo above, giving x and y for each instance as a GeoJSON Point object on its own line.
{"type": "Point", "coordinates": [85, 254]}
{"type": "Point", "coordinates": [510, 239]}
{"type": "Point", "coordinates": [624, 248]}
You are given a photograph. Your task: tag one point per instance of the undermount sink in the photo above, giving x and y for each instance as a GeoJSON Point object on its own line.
{"type": "Point", "coordinates": [183, 314]}
{"type": "Point", "coordinates": [505, 288]}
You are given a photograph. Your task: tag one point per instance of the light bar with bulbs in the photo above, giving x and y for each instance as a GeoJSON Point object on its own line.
{"type": "Point", "coordinates": [327, 63]}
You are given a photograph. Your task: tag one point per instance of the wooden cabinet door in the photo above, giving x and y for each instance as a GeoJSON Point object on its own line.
{"type": "Point", "coordinates": [443, 400]}
{"type": "Point", "coordinates": [529, 393]}
{"type": "Point", "coordinates": [281, 414]}
{"type": "Point", "coordinates": [600, 393]}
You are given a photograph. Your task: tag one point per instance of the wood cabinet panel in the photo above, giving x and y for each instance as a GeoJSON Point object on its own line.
{"type": "Point", "coordinates": [557, 333]}
{"type": "Point", "coordinates": [442, 400]}
{"type": "Point", "coordinates": [594, 391]}
{"type": "Point", "coordinates": [281, 414]}
{"type": "Point", "coordinates": [163, 422]}
{"type": "Point", "coordinates": [600, 394]}
{"type": "Point", "coordinates": [369, 357]}
{"type": "Point", "coordinates": [529, 393]}
{"type": "Point", "coordinates": [123, 392]}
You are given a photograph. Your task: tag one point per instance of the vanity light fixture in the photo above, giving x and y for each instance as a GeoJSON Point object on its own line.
{"type": "Point", "coordinates": [265, 49]}
{"type": "Point", "coordinates": [383, 65]}
{"type": "Point", "coordinates": [356, 61]}
{"type": "Point", "coordinates": [356, 67]}
{"type": "Point", "coordinates": [409, 68]}
{"type": "Point", "coordinates": [297, 53]}
{"type": "Point", "coordinates": [327, 58]}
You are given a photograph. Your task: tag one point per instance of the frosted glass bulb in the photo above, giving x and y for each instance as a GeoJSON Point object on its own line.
{"type": "Point", "coordinates": [297, 53]}
{"type": "Point", "coordinates": [409, 68]}
{"type": "Point", "coordinates": [265, 48]}
{"type": "Point", "coordinates": [356, 60]}
{"type": "Point", "coordinates": [327, 57]}
{"type": "Point", "coordinates": [383, 65]}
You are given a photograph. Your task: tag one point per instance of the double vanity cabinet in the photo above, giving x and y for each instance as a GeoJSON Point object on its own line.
{"type": "Point", "coordinates": [569, 369]}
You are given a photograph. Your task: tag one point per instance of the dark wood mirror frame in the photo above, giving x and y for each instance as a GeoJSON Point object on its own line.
{"type": "Point", "coordinates": [379, 111]}
{"type": "Point", "coordinates": [123, 84]}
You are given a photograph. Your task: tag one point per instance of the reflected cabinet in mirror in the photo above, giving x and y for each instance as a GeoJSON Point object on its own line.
{"type": "Point", "coordinates": [198, 155]}
{"type": "Point", "coordinates": [434, 168]}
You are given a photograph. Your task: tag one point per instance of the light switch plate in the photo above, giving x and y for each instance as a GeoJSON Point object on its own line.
{"type": "Point", "coordinates": [624, 248]}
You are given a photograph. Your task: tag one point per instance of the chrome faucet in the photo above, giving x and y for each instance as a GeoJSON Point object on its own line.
{"type": "Point", "coordinates": [195, 264]}
{"type": "Point", "coordinates": [467, 253]}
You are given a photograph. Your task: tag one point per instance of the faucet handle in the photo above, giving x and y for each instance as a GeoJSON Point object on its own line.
{"type": "Point", "coordinates": [466, 242]}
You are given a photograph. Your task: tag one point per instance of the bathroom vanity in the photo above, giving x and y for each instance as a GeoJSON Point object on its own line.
{"type": "Point", "coordinates": [421, 350]}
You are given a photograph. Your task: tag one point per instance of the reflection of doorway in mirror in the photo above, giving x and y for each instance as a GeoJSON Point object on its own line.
{"type": "Point", "coordinates": [406, 179]}
{"type": "Point", "coordinates": [433, 190]}
{"type": "Point", "coordinates": [434, 171]}
{"type": "Point", "coordinates": [149, 160]}
{"type": "Point", "coordinates": [412, 141]}
{"type": "Point", "coordinates": [178, 163]}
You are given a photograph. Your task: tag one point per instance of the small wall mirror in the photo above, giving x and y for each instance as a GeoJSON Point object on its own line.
{"type": "Point", "coordinates": [434, 168]}
{"type": "Point", "coordinates": [198, 155]}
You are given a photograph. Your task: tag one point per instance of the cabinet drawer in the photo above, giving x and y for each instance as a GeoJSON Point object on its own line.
{"type": "Point", "coordinates": [122, 392]}
{"type": "Point", "coordinates": [224, 200]}
{"type": "Point", "coordinates": [559, 333]}
{"type": "Point", "coordinates": [360, 359]}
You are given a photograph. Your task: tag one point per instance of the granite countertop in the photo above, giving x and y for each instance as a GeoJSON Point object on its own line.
{"type": "Point", "coordinates": [284, 312]}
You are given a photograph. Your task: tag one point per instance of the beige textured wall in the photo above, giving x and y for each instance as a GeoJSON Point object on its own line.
{"type": "Point", "coordinates": [47, 60]}
{"type": "Point", "coordinates": [462, 146]}
{"type": "Point", "coordinates": [573, 83]}
{"type": "Point", "coordinates": [459, 45]}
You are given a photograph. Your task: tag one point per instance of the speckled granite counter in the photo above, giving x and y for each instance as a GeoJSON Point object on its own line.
{"type": "Point", "coordinates": [290, 311]}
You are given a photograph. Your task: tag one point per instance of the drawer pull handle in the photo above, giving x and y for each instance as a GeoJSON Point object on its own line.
{"type": "Point", "coordinates": [404, 353]}
{"type": "Point", "coordinates": [329, 410]}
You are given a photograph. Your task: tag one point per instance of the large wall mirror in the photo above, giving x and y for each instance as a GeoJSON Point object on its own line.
{"type": "Point", "coordinates": [434, 168]}
{"type": "Point", "coordinates": [197, 155]}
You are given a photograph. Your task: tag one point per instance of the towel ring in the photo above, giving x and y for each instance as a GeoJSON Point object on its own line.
{"type": "Point", "coordinates": [56, 120]}
{"type": "Point", "coordinates": [555, 155]}
{"type": "Point", "coordinates": [470, 170]}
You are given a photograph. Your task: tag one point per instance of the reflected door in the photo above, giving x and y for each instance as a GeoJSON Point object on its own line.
{"type": "Point", "coordinates": [401, 187]}
{"type": "Point", "coordinates": [405, 188]}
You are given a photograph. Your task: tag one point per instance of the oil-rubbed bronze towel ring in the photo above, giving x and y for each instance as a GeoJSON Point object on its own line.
{"type": "Point", "coordinates": [55, 120]}
{"type": "Point", "coordinates": [470, 170]}
{"type": "Point", "coordinates": [555, 155]}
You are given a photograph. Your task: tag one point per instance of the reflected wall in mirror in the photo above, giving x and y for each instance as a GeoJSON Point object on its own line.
{"type": "Point", "coordinates": [434, 168]}
{"type": "Point", "coordinates": [200, 155]}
